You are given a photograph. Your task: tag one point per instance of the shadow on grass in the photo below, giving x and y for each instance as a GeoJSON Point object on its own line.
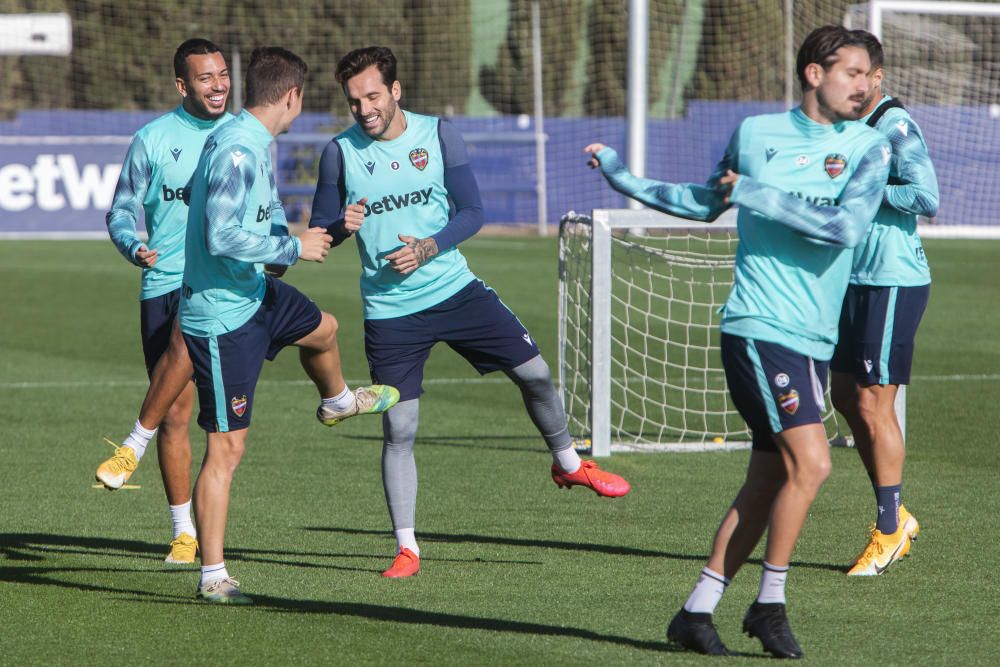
{"type": "Point", "coordinates": [610, 549]}
{"type": "Point", "coordinates": [35, 548]}
{"type": "Point", "coordinates": [446, 620]}
{"type": "Point", "coordinates": [462, 538]}
{"type": "Point", "coordinates": [38, 547]}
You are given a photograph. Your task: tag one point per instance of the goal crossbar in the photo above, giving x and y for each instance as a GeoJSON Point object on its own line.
{"type": "Point", "coordinates": [605, 222]}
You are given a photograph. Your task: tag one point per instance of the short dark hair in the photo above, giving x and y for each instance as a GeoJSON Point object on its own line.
{"type": "Point", "coordinates": [359, 60]}
{"type": "Point", "coordinates": [195, 46]}
{"type": "Point", "coordinates": [875, 53]}
{"type": "Point", "coordinates": [273, 71]}
{"type": "Point", "coordinates": [821, 45]}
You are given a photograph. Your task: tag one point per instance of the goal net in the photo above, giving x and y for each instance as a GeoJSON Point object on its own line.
{"type": "Point", "coordinates": [942, 59]}
{"type": "Point", "coordinates": [639, 300]}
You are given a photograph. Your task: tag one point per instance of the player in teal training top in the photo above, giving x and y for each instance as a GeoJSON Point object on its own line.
{"type": "Point", "coordinates": [157, 168]}
{"type": "Point", "coordinates": [808, 183]}
{"type": "Point", "coordinates": [401, 184]}
{"type": "Point", "coordinates": [233, 316]}
{"type": "Point", "coordinates": [890, 286]}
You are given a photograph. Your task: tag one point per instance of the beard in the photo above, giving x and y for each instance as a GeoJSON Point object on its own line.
{"type": "Point", "coordinates": [387, 115]}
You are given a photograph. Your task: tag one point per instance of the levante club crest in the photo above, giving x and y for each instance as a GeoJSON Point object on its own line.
{"type": "Point", "coordinates": [834, 164]}
{"type": "Point", "coordinates": [418, 158]}
{"type": "Point", "coordinates": [239, 404]}
{"type": "Point", "coordinates": [789, 402]}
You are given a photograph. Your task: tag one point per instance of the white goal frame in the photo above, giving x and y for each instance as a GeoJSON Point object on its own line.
{"type": "Point", "coordinates": [603, 223]}
{"type": "Point", "coordinates": [878, 8]}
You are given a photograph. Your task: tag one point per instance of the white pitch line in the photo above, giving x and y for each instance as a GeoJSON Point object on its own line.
{"type": "Point", "coordinates": [988, 377]}
{"type": "Point", "coordinates": [985, 377]}
{"type": "Point", "coordinates": [284, 383]}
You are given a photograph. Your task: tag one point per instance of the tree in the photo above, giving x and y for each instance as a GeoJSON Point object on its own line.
{"type": "Point", "coordinates": [607, 60]}
{"type": "Point", "coordinates": [508, 85]}
{"type": "Point", "coordinates": [742, 52]}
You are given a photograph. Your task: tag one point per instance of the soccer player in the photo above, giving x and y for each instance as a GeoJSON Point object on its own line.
{"type": "Point", "coordinates": [887, 296]}
{"type": "Point", "coordinates": [808, 184]}
{"type": "Point", "coordinates": [232, 315]}
{"type": "Point", "coordinates": [157, 168]}
{"type": "Point", "coordinates": [389, 181]}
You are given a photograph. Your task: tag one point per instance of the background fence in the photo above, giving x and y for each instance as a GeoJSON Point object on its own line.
{"type": "Point", "coordinates": [65, 120]}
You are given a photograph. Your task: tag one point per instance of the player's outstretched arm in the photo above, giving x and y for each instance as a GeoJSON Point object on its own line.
{"type": "Point", "coordinates": [687, 200]}
{"type": "Point", "coordinates": [842, 225]}
{"type": "Point", "coordinates": [916, 191]}
{"type": "Point", "coordinates": [129, 195]}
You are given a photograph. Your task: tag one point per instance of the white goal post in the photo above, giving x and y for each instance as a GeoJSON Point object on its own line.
{"type": "Point", "coordinates": [877, 9]}
{"type": "Point", "coordinates": [639, 362]}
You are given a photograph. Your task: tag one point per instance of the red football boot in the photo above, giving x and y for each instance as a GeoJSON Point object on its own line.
{"type": "Point", "coordinates": [589, 475]}
{"type": "Point", "coordinates": [406, 564]}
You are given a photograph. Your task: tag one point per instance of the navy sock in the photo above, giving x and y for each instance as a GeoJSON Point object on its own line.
{"type": "Point", "coordinates": [887, 498]}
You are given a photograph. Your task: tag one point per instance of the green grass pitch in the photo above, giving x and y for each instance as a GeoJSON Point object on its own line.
{"type": "Point", "coordinates": [515, 571]}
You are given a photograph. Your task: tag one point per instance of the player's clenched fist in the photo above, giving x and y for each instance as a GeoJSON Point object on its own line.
{"type": "Point", "coordinates": [354, 215]}
{"type": "Point", "coordinates": [315, 244]}
{"type": "Point", "coordinates": [594, 149]}
{"type": "Point", "coordinates": [145, 257]}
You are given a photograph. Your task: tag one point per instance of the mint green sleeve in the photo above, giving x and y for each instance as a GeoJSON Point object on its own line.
{"type": "Point", "coordinates": [842, 225]}
{"type": "Point", "coordinates": [130, 192]}
{"type": "Point", "coordinates": [686, 200]}
{"type": "Point", "coordinates": [915, 187]}
{"type": "Point", "coordinates": [228, 187]}
{"type": "Point", "coordinates": [279, 222]}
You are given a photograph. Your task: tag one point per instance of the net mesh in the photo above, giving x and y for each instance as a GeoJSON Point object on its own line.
{"type": "Point", "coordinates": [668, 388]}
{"type": "Point", "coordinates": [946, 70]}
{"type": "Point", "coordinates": [471, 61]}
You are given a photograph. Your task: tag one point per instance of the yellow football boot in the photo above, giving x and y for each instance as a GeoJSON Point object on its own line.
{"type": "Point", "coordinates": [114, 472]}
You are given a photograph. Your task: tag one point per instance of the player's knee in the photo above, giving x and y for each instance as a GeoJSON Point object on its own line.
{"type": "Point", "coordinates": [175, 424]}
{"type": "Point", "coordinates": [815, 470]}
{"type": "Point", "coordinates": [533, 377]}
{"type": "Point", "coordinates": [328, 326]}
{"type": "Point", "coordinates": [225, 451]}
{"type": "Point", "coordinates": [233, 455]}
{"type": "Point", "coordinates": [330, 322]}
{"type": "Point", "coordinates": [399, 425]}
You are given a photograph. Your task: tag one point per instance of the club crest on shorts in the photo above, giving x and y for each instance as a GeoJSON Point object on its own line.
{"type": "Point", "coordinates": [239, 405]}
{"type": "Point", "coordinates": [418, 158]}
{"type": "Point", "coordinates": [834, 164]}
{"type": "Point", "coordinates": [789, 402]}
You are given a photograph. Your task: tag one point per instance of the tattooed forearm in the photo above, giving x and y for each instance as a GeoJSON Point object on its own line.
{"type": "Point", "coordinates": [424, 249]}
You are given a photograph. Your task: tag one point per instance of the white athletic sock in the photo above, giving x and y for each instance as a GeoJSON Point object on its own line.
{"type": "Point", "coordinates": [707, 592]}
{"type": "Point", "coordinates": [181, 515]}
{"type": "Point", "coordinates": [212, 573]}
{"type": "Point", "coordinates": [342, 401]}
{"type": "Point", "coordinates": [772, 584]}
{"type": "Point", "coordinates": [139, 439]}
{"type": "Point", "coordinates": [405, 539]}
{"type": "Point", "coordinates": [568, 459]}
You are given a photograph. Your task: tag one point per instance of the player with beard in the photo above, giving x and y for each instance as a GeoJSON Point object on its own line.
{"type": "Point", "coordinates": [157, 168]}
{"type": "Point", "coordinates": [401, 183]}
{"type": "Point", "coordinates": [808, 183]}
{"type": "Point", "coordinates": [889, 290]}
